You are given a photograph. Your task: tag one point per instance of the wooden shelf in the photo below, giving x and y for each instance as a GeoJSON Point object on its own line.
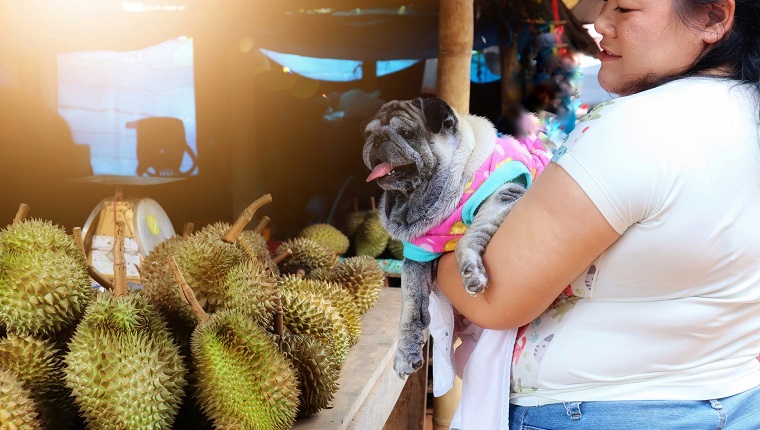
{"type": "Point", "coordinates": [369, 388]}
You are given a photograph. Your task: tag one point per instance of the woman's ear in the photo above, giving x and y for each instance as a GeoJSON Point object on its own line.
{"type": "Point", "coordinates": [717, 18]}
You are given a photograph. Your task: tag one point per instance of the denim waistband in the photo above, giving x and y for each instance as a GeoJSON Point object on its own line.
{"type": "Point", "coordinates": [737, 412]}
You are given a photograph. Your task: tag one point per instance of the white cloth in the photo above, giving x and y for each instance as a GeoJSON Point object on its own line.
{"type": "Point", "coordinates": [672, 309]}
{"type": "Point", "coordinates": [484, 404]}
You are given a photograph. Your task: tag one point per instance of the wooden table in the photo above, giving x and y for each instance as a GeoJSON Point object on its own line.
{"type": "Point", "coordinates": [370, 394]}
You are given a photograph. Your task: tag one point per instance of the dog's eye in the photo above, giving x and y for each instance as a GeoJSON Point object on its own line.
{"type": "Point", "coordinates": [406, 133]}
{"type": "Point", "coordinates": [448, 123]}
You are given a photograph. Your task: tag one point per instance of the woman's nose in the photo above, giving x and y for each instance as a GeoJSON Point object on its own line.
{"type": "Point", "coordinates": [603, 25]}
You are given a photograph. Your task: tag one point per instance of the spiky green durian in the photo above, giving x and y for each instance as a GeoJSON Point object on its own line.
{"type": "Point", "coordinates": [39, 366]}
{"type": "Point", "coordinates": [306, 255]}
{"type": "Point", "coordinates": [396, 248]}
{"type": "Point", "coordinates": [329, 236]}
{"type": "Point", "coordinates": [250, 288]}
{"type": "Point", "coordinates": [36, 235]}
{"type": "Point", "coordinates": [160, 288]}
{"type": "Point", "coordinates": [352, 222]}
{"type": "Point", "coordinates": [204, 259]}
{"type": "Point", "coordinates": [302, 315]}
{"type": "Point", "coordinates": [123, 368]}
{"type": "Point", "coordinates": [319, 283]}
{"type": "Point", "coordinates": [318, 371]}
{"type": "Point", "coordinates": [291, 294]}
{"type": "Point", "coordinates": [363, 277]}
{"type": "Point", "coordinates": [244, 382]}
{"type": "Point", "coordinates": [44, 285]}
{"type": "Point", "coordinates": [371, 238]}
{"type": "Point", "coordinates": [155, 275]}
{"type": "Point", "coordinates": [17, 410]}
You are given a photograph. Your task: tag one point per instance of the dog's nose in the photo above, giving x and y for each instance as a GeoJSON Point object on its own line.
{"type": "Point", "coordinates": [377, 143]}
{"type": "Point", "coordinates": [379, 139]}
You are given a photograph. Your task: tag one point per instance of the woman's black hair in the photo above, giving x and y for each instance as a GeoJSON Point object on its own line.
{"type": "Point", "coordinates": [739, 49]}
{"type": "Point", "coordinates": [737, 54]}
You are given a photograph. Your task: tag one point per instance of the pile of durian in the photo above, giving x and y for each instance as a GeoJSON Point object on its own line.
{"type": "Point", "coordinates": [366, 235]}
{"type": "Point", "coordinates": [223, 334]}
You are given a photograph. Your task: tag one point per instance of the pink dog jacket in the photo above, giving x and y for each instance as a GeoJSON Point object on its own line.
{"type": "Point", "coordinates": [511, 161]}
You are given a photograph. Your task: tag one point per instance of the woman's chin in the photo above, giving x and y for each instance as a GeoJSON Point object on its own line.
{"type": "Point", "coordinates": [608, 85]}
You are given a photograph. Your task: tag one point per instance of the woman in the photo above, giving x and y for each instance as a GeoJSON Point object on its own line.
{"type": "Point", "coordinates": [633, 262]}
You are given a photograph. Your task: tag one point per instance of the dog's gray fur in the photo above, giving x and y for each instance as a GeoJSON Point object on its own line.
{"type": "Point", "coordinates": [437, 151]}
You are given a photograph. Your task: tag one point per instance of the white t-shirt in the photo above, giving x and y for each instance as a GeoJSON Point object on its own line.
{"type": "Point", "coordinates": [672, 309]}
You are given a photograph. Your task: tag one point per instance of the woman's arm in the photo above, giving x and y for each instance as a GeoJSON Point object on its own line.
{"type": "Point", "coordinates": [553, 233]}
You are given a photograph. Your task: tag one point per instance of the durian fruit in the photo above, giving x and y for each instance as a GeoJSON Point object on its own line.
{"type": "Point", "coordinates": [318, 371]}
{"type": "Point", "coordinates": [243, 381]}
{"type": "Point", "coordinates": [204, 258]}
{"type": "Point", "coordinates": [353, 221]}
{"type": "Point", "coordinates": [371, 238]}
{"type": "Point", "coordinates": [156, 279]}
{"type": "Point", "coordinates": [157, 288]}
{"type": "Point", "coordinates": [17, 409]}
{"type": "Point", "coordinates": [39, 367]}
{"type": "Point", "coordinates": [318, 283]}
{"type": "Point", "coordinates": [251, 288]}
{"type": "Point", "coordinates": [123, 367]}
{"type": "Point", "coordinates": [329, 236]}
{"type": "Point", "coordinates": [298, 303]}
{"type": "Point", "coordinates": [306, 315]}
{"type": "Point", "coordinates": [306, 255]}
{"type": "Point", "coordinates": [363, 277]}
{"type": "Point", "coordinates": [44, 285]}
{"type": "Point", "coordinates": [396, 248]}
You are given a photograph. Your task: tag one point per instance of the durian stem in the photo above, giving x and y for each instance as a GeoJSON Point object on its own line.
{"type": "Point", "coordinates": [188, 230]}
{"type": "Point", "coordinates": [186, 293]}
{"type": "Point", "coordinates": [119, 262]}
{"type": "Point", "coordinates": [285, 254]}
{"type": "Point", "coordinates": [234, 231]}
{"type": "Point", "coordinates": [278, 321]}
{"type": "Point", "coordinates": [77, 233]}
{"type": "Point", "coordinates": [23, 209]}
{"type": "Point", "coordinates": [278, 313]}
{"type": "Point", "coordinates": [372, 202]}
{"type": "Point", "coordinates": [261, 225]}
{"type": "Point", "coordinates": [91, 270]}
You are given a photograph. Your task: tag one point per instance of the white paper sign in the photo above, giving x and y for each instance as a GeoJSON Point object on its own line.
{"type": "Point", "coordinates": [102, 255]}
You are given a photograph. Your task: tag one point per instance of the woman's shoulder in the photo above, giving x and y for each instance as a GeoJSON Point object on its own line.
{"type": "Point", "coordinates": [672, 103]}
{"type": "Point", "coordinates": [687, 94]}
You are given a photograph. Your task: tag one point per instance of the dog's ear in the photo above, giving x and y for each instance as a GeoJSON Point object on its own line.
{"type": "Point", "coordinates": [363, 127]}
{"type": "Point", "coordinates": [438, 115]}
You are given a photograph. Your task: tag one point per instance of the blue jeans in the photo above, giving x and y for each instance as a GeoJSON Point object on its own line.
{"type": "Point", "coordinates": [738, 412]}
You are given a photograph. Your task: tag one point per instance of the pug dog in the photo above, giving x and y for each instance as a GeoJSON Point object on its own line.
{"type": "Point", "coordinates": [449, 180]}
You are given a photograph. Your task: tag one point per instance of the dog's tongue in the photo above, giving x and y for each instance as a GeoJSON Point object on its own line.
{"type": "Point", "coordinates": [379, 171]}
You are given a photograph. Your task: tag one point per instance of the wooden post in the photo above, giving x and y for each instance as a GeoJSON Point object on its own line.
{"type": "Point", "coordinates": [455, 33]}
{"type": "Point", "coordinates": [456, 27]}
{"type": "Point", "coordinates": [512, 83]}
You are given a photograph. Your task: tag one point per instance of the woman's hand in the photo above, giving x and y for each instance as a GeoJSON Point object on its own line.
{"type": "Point", "coordinates": [553, 233]}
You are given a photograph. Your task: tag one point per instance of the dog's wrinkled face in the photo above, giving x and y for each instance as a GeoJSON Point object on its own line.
{"type": "Point", "coordinates": [406, 142]}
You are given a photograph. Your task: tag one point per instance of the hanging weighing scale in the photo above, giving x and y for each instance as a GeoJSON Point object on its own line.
{"type": "Point", "coordinates": [147, 225]}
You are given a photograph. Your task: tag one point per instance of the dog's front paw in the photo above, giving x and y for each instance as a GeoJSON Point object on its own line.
{"type": "Point", "coordinates": [406, 363]}
{"type": "Point", "coordinates": [474, 276]}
